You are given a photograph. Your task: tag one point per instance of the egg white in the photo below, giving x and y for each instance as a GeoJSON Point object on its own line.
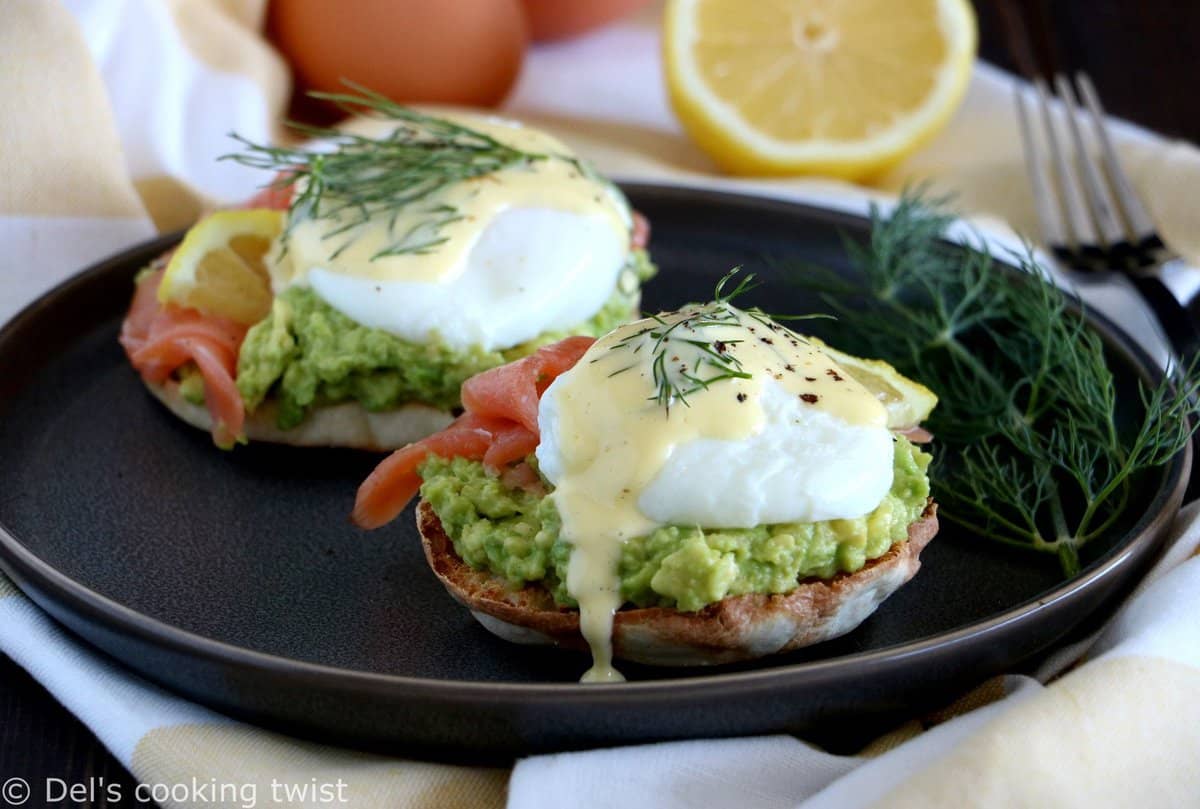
{"type": "Point", "coordinates": [804, 465]}
{"type": "Point", "coordinates": [532, 270]}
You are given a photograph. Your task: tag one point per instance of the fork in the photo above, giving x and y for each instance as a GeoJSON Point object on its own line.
{"type": "Point", "coordinates": [1091, 217]}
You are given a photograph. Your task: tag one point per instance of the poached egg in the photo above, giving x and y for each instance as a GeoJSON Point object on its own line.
{"type": "Point", "coordinates": [711, 417]}
{"type": "Point", "coordinates": [530, 248]}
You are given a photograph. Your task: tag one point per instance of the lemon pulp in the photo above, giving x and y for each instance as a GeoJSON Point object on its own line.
{"type": "Point", "coordinates": [842, 87]}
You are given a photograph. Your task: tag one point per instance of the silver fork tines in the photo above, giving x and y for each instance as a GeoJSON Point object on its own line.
{"type": "Point", "coordinates": [1088, 209]}
{"type": "Point", "coordinates": [1045, 194]}
{"type": "Point", "coordinates": [1135, 213]}
{"type": "Point", "coordinates": [1109, 227]}
{"type": "Point", "coordinates": [1090, 214]}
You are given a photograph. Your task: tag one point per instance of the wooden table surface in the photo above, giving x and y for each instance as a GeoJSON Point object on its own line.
{"type": "Point", "coordinates": [1140, 54]}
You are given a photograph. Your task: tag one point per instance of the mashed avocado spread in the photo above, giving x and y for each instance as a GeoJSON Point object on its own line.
{"type": "Point", "coordinates": [515, 534]}
{"type": "Point", "coordinates": [306, 353]}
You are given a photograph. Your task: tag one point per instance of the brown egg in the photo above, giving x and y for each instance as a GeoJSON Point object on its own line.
{"type": "Point", "coordinates": [556, 19]}
{"type": "Point", "coordinates": [450, 51]}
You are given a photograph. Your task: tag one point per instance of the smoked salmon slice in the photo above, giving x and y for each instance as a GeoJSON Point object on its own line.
{"type": "Point", "coordinates": [640, 236]}
{"type": "Point", "coordinates": [159, 339]}
{"type": "Point", "coordinates": [917, 435]}
{"type": "Point", "coordinates": [499, 426]}
{"type": "Point", "coordinates": [512, 391]}
{"type": "Point", "coordinates": [514, 443]}
{"type": "Point", "coordinates": [387, 490]}
{"type": "Point", "coordinates": [276, 196]}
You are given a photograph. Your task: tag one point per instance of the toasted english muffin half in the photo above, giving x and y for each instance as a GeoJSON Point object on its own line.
{"type": "Point", "coordinates": [347, 424]}
{"type": "Point", "coordinates": [734, 629]}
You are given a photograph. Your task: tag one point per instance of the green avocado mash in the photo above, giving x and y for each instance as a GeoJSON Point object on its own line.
{"type": "Point", "coordinates": [191, 383]}
{"type": "Point", "coordinates": [515, 534]}
{"type": "Point", "coordinates": [306, 353]}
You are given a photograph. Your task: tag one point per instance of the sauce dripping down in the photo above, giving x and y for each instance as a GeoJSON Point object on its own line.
{"type": "Point", "coordinates": [640, 392]}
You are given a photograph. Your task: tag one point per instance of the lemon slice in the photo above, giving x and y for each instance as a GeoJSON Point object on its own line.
{"type": "Point", "coordinates": [908, 403]}
{"type": "Point", "coordinates": [219, 269]}
{"type": "Point", "coordinates": [839, 87]}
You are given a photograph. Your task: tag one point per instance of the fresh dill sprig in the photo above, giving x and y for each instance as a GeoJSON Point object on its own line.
{"type": "Point", "coordinates": [747, 283]}
{"type": "Point", "coordinates": [360, 178]}
{"type": "Point", "coordinates": [684, 360]}
{"type": "Point", "coordinates": [1031, 452]}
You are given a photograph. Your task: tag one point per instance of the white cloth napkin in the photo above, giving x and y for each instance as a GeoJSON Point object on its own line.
{"type": "Point", "coordinates": [153, 87]}
{"type": "Point", "coordinates": [1062, 745]}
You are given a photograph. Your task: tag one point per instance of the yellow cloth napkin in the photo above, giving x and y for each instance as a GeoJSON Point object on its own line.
{"type": "Point", "coordinates": [114, 111]}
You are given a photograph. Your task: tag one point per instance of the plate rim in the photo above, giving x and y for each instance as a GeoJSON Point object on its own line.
{"type": "Point", "coordinates": [22, 564]}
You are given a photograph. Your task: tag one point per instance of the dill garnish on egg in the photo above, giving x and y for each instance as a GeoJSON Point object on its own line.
{"type": "Point", "coordinates": [359, 177]}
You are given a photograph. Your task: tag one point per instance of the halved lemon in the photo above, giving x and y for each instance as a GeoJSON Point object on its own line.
{"type": "Point", "coordinates": [908, 403]}
{"type": "Point", "coordinates": [840, 87]}
{"type": "Point", "coordinates": [219, 267]}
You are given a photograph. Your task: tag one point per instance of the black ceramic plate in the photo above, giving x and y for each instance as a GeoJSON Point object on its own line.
{"type": "Point", "coordinates": [236, 579]}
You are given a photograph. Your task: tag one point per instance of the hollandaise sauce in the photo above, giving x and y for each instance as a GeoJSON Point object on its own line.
{"type": "Point", "coordinates": [641, 392]}
{"type": "Point", "coordinates": [425, 237]}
